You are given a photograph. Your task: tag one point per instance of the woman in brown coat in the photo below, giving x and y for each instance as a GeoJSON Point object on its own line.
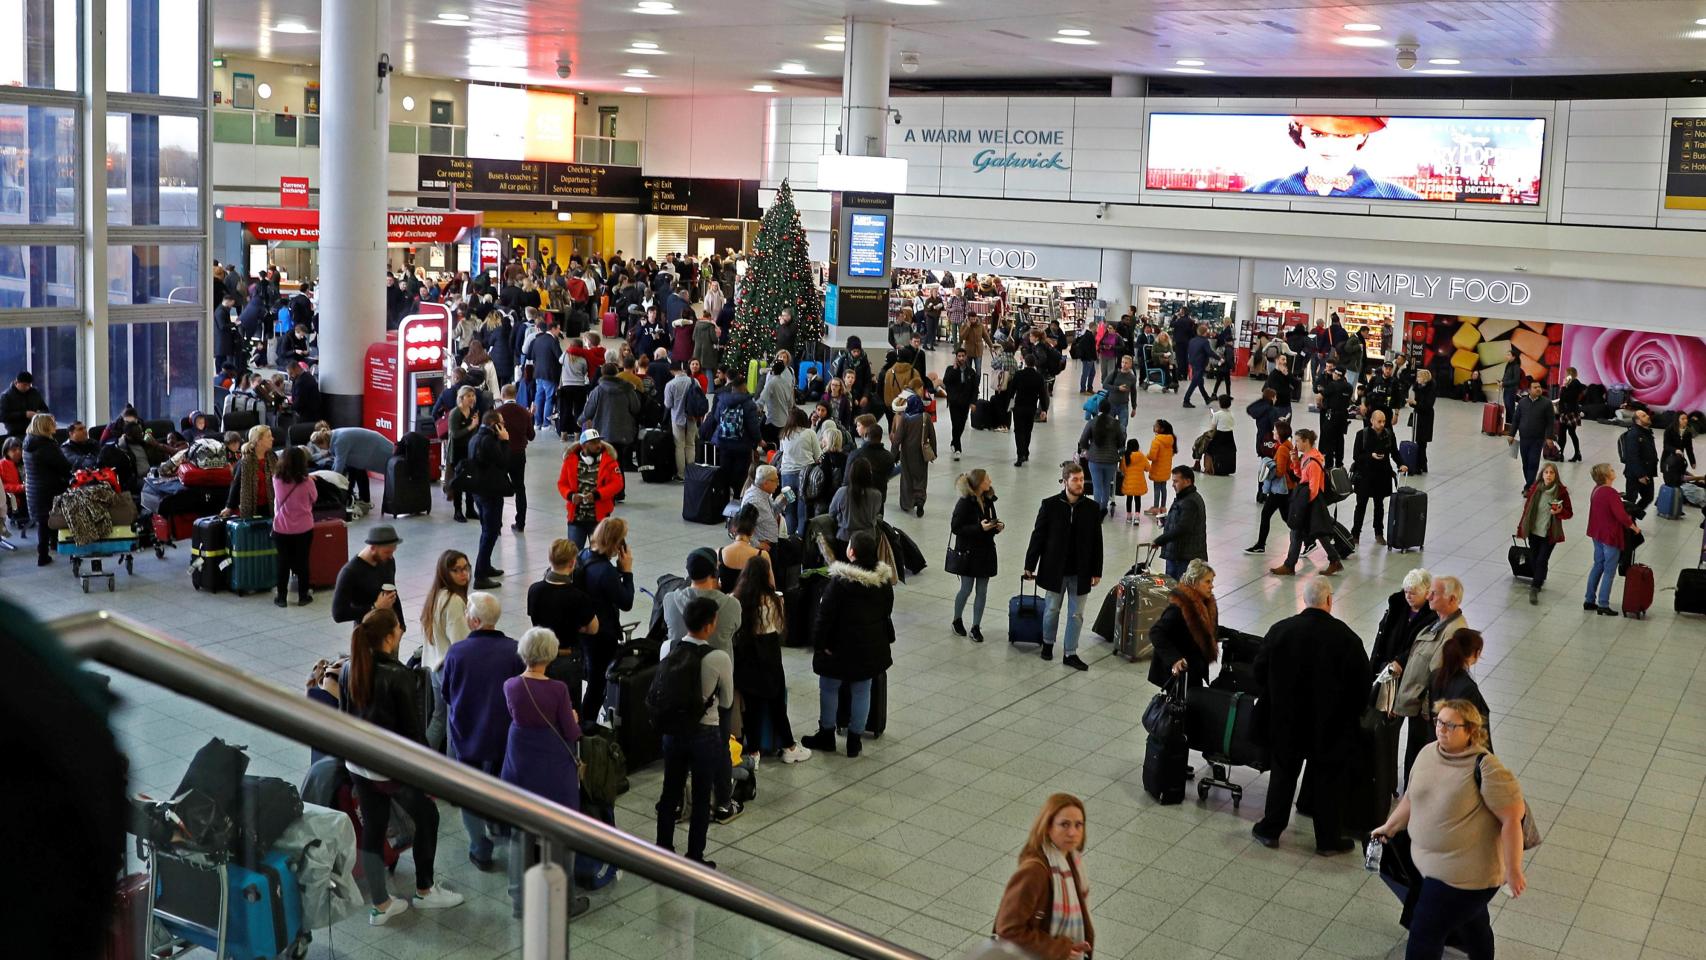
{"type": "Point", "coordinates": [1046, 907]}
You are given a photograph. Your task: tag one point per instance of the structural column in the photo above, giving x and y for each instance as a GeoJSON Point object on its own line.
{"type": "Point", "coordinates": [865, 89]}
{"type": "Point", "coordinates": [1246, 293]}
{"type": "Point", "coordinates": [1114, 285]}
{"type": "Point", "coordinates": [354, 132]}
{"type": "Point", "coordinates": [94, 395]}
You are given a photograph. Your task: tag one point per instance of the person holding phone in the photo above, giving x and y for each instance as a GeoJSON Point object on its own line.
{"type": "Point", "coordinates": [369, 580]}
{"type": "Point", "coordinates": [971, 555]}
{"type": "Point", "coordinates": [1544, 509]}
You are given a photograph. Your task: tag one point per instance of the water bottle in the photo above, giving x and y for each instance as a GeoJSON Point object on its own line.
{"type": "Point", "coordinates": [1371, 855]}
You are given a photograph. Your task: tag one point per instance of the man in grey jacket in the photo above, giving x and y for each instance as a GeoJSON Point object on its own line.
{"type": "Point", "coordinates": [1445, 598]}
{"type": "Point", "coordinates": [776, 401]}
{"type": "Point", "coordinates": [613, 409]}
{"type": "Point", "coordinates": [357, 450]}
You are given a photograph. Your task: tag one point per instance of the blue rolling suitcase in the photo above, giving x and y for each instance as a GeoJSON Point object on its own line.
{"type": "Point", "coordinates": [1025, 615]}
{"type": "Point", "coordinates": [1670, 502]}
{"type": "Point", "coordinates": [254, 559]}
{"type": "Point", "coordinates": [263, 906]}
{"type": "Point", "coordinates": [1407, 454]}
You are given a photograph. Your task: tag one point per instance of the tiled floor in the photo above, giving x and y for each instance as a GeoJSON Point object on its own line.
{"type": "Point", "coordinates": [1604, 720]}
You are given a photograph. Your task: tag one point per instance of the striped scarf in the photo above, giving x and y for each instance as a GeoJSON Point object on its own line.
{"type": "Point", "coordinates": [1066, 917]}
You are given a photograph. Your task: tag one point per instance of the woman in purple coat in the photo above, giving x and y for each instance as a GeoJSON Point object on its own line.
{"type": "Point", "coordinates": [540, 755]}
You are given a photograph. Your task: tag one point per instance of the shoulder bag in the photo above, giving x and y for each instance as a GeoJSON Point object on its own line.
{"type": "Point", "coordinates": [1530, 832]}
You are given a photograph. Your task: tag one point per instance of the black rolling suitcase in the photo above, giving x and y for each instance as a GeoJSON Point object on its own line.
{"type": "Point", "coordinates": [408, 491]}
{"type": "Point", "coordinates": [800, 604]}
{"type": "Point", "coordinates": [1167, 755]}
{"type": "Point", "coordinates": [1406, 520]}
{"type": "Point", "coordinates": [1691, 585]}
{"type": "Point", "coordinates": [210, 555]}
{"type": "Point", "coordinates": [1521, 559]}
{"type": "Point", "coordinates": [626, 683]}
{"type": "Point", "coordinates": [1223, 725]}
{"type": "Point", "coordinates": [657, 456]}
{"type": "Point", "coordinates": [878, 719]}
{"type": "Point", "coordinates": [703, 496]}
{"type": "Point", "coordinates": [1340, 538]}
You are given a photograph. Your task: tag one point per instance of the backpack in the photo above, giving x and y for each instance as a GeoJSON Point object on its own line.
{"type": "Point", "coordinates": [731, 424]}
{"type": "Point", "coordinates": [674, 699]}
{"type": "Point", "coordinates": [696, 405]}
{"type": "Point", "coordinates": [813, 484]}
{"type": "Point", "coordinates": [606, 776]}
{"type": "Point", "coordinates": [283, 323]}
{"type": "Point", "coordinates": [1626, 446]}
{"type": "Point", "coordinates": [1338, 485]}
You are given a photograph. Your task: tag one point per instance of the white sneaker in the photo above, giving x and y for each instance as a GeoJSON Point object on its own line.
{"type": "Point", "coordinates": [438, 898]}
{"type": "Point", "coordinates": [379, 918]}
{"type": "Point", "coordinates": [956, 456]}
{"type": "Point", "coordinates": [796, 754]}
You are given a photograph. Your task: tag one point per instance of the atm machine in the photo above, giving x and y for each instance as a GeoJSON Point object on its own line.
{"type": "Point", "coordinates": [405, 374]}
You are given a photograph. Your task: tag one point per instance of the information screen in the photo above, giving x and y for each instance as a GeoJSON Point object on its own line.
{"type": "Point", "coordinates": [868, 245]}
{"type": "Point", "coordinates": [1437, 159]}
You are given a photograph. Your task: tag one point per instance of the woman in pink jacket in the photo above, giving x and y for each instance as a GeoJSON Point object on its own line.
{"type": "Point", "coordinates": [1608, 525]}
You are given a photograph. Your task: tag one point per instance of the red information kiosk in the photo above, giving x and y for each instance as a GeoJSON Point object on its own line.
{"type": "Point", "coordinates": [406, 373]}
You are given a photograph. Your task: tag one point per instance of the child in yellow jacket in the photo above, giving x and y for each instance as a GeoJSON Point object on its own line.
{"type": "Point", "coordinates": [1134, 477]}
{"type": "Point", "coordinates": [1161, 464]}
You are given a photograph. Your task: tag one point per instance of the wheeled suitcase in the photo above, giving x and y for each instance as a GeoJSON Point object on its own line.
{"type": "Point", "coordinates": [1493, 419]}
{"type": "Point", "coordinates": [1165, 759]}
{"type": "Point", "coordinates": [657, 456]}
{"type": "Point", "coordinates": [254, 559]}
{"type": "Point", "coordinates": [1222, 725]}
{"type": "Point", "coordinates": [1637, 590]}
{"type": "Point", "coordinates": [1343, 544]}
{"type": "Point", "coordinates": [1691, 591]}
{"type": "Point", "coordinates": [877, 720]}
{"type": "Point", "coordinates": [1139, 599]}
{"type": "Point", "coordinates": [169, 530]}
{"type": "Point", "coordinates": [327, 553]}
{"type": "Point", "coordinates": [609, 324]}
{"type": "Point", "coordinates": [1025, 615]}
{"type": "Point", "coordinates": [1408, 454]}
{"type": "Point", "coordinates": [1406, 519]}
{"type": "Point", "coordinates": [1669, 502]}
{"type": "Point", "coordinates": [1521, 559]}
{"type": "Point", "coordinates": [703, 495]}
{"type": "Point", "coordinates": [129, 920]}
{"type": "Point", "coordinates": [407, 492]}
{"type": "Point", "coordinates": [210, 554]}
{"type": "Point", "coordinates": [263, 906]}
{"type": "Point", "coordinates": [626, 683]}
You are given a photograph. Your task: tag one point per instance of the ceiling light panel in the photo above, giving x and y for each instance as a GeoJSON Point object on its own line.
{"type": "Point", "coordinates": [1362, 27]}
{"type": "Point", "coordinates": [1360, 42]}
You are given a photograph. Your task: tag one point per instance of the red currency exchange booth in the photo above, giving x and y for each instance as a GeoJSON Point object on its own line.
{"type": "Point", "coordinates": [292, 234]}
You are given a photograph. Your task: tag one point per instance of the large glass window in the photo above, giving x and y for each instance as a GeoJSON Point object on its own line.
{"type": "Point", "coordinates": [153, 170]}
{"type": "Point", "coordinates": [38, 276]}
{"type": "Point", "coordinates": [155, 273]}
{"type": "Point", "coordinates": [50, 353]}
{"type": "Point", "coordinates": [38, 164]}
{"type": "Point", "coordinates": [38, 44]}
{"type": "Point", "coordinates": [154, 46]}
{"type": "Point", "coordinates": [155, 366]}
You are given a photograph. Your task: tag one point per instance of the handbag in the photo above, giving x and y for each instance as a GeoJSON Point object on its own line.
{"type": "Point", "coordinates": [1530, 832]}
{"type": "Point", "coordinates": [1165, 715]}
{"type": "Point", "coordinates": [1381, 698]}
{"type": "Point", "coordinates": [958, 559]}
{"type": "Point", "coordinates": [580, 767]}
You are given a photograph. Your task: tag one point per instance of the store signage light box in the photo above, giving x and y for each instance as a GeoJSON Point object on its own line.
{"type": "Point", "coordinates": [1042, 148]}
{"type": "Point", "coordinates": [1400, 284]}
{"type": "Point", "coordinates": [1494, 160]}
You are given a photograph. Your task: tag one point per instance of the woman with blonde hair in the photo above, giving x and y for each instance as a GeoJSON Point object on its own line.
{"type": "Point", "coordinates": [1046, 907]}
{"type": "Point", "coordinates": [47, 473]}
{"type": "Point", "coordinates": [251, 493]}
{"type": "Point", "coordinates": [1463, 811]}
{"type": "Point", "coordinates": [1186, 635]}
{"type": "Point", "coordinates": [971, 555]}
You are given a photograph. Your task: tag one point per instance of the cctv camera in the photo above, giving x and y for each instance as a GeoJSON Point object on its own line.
{"type": "Point", "coordinates": [897, 118]}
{"type": "Point", "coordinates": [909, 61]}
{"type": "Point", "coordinates": [563, 68]}
{"type": "Point", "coordinates": [1406, 56]}
{"type": "Point", "coordinates": [1101, 210]}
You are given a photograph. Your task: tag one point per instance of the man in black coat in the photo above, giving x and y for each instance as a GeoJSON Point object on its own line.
{"type": "Point", "coordinates": [1065, 558]}
{"type": "Point", "coordinates": [305, 394]}
{"type": "Point", "coordinates": [1333, 399]}
{"type": "Point", "coordinates": [1531, 427]}
{"type": "Point", "coordinates": [488, 450]}
{"type": "Point", "coordinates": [20, 403]}
{"type": "Point", "coordinates": [1185, 529]}
{"type": "Point", "coordinates": [1027, 388]}
{"type": "Point", "coordinates": [226, 349]}
{"type": "Point", "coordinates": [1640, 457]}
{"type": "Point", "coordinates": [1313, 674]}
{"type": "Point", "coordinates": [959, 382]}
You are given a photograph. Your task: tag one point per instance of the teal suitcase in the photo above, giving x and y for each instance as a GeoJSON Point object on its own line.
{"type": "Point", "coordinates": [254, 559]}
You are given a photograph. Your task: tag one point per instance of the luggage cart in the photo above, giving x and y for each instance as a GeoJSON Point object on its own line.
{"type": "Point", "coordinates": [119, 547]}
{"type": "Point", "coordinates": [1238, 653]}
{"type": "Point", "coordinates": [191, 896]}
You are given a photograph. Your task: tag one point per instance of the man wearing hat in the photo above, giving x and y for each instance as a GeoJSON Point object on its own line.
{"type": "Point", "coordinates": [1332, 144]}
{"type": "Point", "coordinates": [369, 580]}
{"type": "Point", "coordinates": [589, 482]}
{"type": "Point", "coordinates": [21, 403]}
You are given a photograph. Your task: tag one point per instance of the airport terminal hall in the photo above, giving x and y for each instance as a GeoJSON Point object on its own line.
{"type": "Point", "coordinates": [530, 479]}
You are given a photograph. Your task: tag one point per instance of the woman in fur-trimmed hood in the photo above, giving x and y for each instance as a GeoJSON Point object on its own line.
{"type": "Point", "coordinates": [1186, 634]}
{"type": "Point", "coordinates": [852, 637]}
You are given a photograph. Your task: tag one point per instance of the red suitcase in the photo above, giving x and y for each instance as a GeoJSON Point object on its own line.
{"type": "Point", "coordinates": [173, 528]}
{"type": "Point", "coordinates": [328, 553]}
{"type": "Point", "coordinates": [129, 919]}
{"type": "Point", "coordinates": [194, 476]}
{"type": "Point", "coordinates": [1637, 590]}
{"type": "Point", "coordinates": [610, 324]}
{"type": "Point", "coordinates": [1493, 419]}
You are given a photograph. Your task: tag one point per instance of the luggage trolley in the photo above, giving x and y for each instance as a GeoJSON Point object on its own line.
{"type": "Point", "coordinates": [119, 546]}
{"type": "Point", "coordinates": [1221, 721]}
{"type": "Point", "coordinates": [204, 900]}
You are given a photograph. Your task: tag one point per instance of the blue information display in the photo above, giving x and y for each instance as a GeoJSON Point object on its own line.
{"type": "Point", "coordinates": [868, 245]}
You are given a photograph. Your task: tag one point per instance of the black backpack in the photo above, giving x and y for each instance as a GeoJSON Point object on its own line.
{"type": "Point", "coordinates": [675, 700]}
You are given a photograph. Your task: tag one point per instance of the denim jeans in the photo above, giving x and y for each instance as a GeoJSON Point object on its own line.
{"type": "Point", "coordinates": [1086, 376]}
{"type": "Point", "coordinates": [966, 585]}
{"type": "Point", "coordinates": [1540, 557]}
{"type": "Point", "coordinates": [1074, 614]}
{"type": "Point", "coordinates": [1603, 574]}
{"type": "Point", "coordinates": [481, 832]}
{"type": "Point", "coordinates": [491, 510]}
{"type": "Point", "coordinates": [829, 699]}
{"type": "Point", "coordinates": [1175, 568]}
{"type": "Point", "coordinates": [1442, 910]}
{"type": "Point", "coordinates": [544, 404]}
{"type": "Point", "coordinates": [695, 754]}
{"type": "Point", "coordinates": [1102, 482]}
{"type": "Point", "coordinates": [796, 512]}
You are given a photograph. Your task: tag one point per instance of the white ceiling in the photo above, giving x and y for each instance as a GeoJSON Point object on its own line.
{"type": "Point", "coordinates": [724, 46]}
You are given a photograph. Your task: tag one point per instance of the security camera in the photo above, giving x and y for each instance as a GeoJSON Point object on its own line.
{"type": "Point", "coordinates": [563, 68]}
{"type": "Point", "coordinates": [1101, 210]}
{"type": "Point", "coordinates": [1406, 57]}
{"type": "Point", "coordinates": [585, 99]}
{"type": "Point", "coordinates": [909, 61]}
{"type": "Point", "coordinates": [897, 118]}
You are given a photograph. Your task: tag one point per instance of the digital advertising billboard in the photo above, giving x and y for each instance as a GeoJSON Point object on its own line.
{"type": "Point", "coordinates": [1431, 159]}
{"type": "Point", "coordinates": [511, 123]}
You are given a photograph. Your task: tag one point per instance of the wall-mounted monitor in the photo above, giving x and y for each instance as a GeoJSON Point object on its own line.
{"type": "Point", "coordinates": [868, 245]}
{"type": "Point", "coordinates": [1430, 159]}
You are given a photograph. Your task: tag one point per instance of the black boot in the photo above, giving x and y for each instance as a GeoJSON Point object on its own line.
{"type": "Point", "coordinates": [823, 740]}
{"type": "Point", "coordinates": [852, 745]}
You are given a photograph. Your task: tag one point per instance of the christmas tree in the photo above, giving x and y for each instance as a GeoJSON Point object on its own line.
{"type": "Point", "coordinates": [779, 276]}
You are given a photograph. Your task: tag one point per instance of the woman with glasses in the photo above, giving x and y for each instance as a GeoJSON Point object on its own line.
{"type": "Point", "coordinates": [1463, 811]}
{"type": "Point", "coordinates": [444, 620]}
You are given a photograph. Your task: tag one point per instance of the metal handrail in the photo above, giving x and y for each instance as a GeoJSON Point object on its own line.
{"type": "Point", "coordinates": [126, 645]}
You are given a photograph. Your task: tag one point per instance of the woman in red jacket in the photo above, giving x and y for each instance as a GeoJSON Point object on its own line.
{"type": "Point", "coordinates": [1608, 523]}
{"type": "Point", "coordinates": [1544, 510]}
{"type": "Point", "coordinates": [589, 482]}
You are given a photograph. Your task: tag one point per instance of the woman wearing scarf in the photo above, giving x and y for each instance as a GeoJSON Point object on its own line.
{"type": "Point", "coordinates": [1046, 907]}
{"type": "Point", "coordinates": [1186, 632]}
{"type": "Point", "coordinates": [250, 494]}
{"type": "Point", "coordinates": [1544, 511]}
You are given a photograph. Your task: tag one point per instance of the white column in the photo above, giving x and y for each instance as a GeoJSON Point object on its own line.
{"type": "Point", "coordinates": [865, 89]}
{"type": "Point", "coordinates": [1246, 291]}
{"type": "Point", "coordinates": [94, 400]}
{"type": "Point", "coordinates": [1126, 85]}
{"type": "Point", "coordinates": [1114, 285]}
{"type": "Point", "coordinates": [354, 133]}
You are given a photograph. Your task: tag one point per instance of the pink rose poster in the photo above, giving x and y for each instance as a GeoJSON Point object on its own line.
{"type": "Point", "coordinates": [1663, 370]}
